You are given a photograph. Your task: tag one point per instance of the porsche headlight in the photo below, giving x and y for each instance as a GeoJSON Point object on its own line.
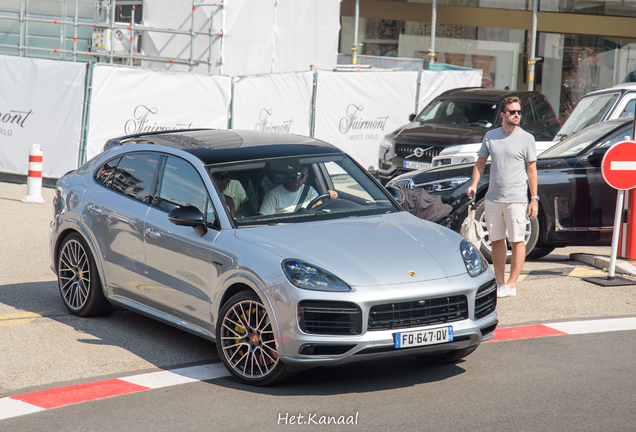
{"type": "Point", "coordinates": [444, 185]}
{"type": "Point", "coordinates": [473, 259]}
{"type": "Point", "coordinates": [308, 276]}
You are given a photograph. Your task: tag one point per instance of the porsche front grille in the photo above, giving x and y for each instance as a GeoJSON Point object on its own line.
{"type": "Point", "coordinates": [418, 313]}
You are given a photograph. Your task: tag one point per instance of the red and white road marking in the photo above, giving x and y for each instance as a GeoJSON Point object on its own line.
{"type": "Point", "coordinates": [29, 403]}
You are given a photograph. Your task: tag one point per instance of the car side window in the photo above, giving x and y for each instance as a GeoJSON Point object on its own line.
{"type": "Point", "coordinates": [180, 186]}
{"type": "Point", "coordinates": [104, 174]}
{"type": "Point", "coordinates": [629, 109]}
{"type": "Point", "coordinates": [135, 175]}
{"type": "Point", "coordinates": [624, 135]}
{"type": "Point", "coordinates": [542, 109]}
{"type": "Point", "coordinates": [526, 111]}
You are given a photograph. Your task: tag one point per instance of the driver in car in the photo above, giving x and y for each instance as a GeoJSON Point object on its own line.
{"type": "Point", "coordinates": [291, 196]}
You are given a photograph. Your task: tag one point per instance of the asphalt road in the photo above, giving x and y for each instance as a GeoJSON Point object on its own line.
{"type": "Point", "coordinates": [582, 382]}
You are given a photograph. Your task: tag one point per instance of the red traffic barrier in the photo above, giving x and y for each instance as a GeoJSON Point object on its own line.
{"type": "Point", "coordinates": [34, 181]}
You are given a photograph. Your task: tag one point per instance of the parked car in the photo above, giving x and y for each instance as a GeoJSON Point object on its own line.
{"type": "Point", "coordinates": [144, 226]}
{"type": "Point", "coordinates": [598, 106]}
{"type": "Point", "coordinates": [450, 129]}
{"type": "Point", "coordinates": [576, 205]}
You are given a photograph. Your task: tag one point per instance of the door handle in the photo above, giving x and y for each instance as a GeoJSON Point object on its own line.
{"type": "Point", "coordinates": [153, 233]}
{"type": "Point", "coordinates": [94, 209]}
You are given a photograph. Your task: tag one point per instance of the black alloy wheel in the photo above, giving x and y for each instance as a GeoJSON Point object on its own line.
{"type": "Point", "coordinates": [78, 281]}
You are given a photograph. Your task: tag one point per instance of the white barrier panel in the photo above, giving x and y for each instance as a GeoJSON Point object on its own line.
{"type": "Point", "coordinates": [307, 33]}
{"type": "Point", "coordinates": [258, 36]}
{"type": "Point", "coordinates": [41, 101]}
{"type": "Point", "coordinates": [127, 101]}
{"type": "Point", "coordinates": [355, 110]}
{"type": "Point", "coordinates": [273, 103]}
{"type": "Point", "coordinates": [435, 83]}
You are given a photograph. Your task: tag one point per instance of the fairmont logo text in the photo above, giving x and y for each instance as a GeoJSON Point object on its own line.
{"type": "Point", "coordinates": [141, 122]}
{"type": "Point", "coordinates": [352, 123]}
{"type": "Point", "coordinates": [13, 117]}
{"type": "Point", "coordinates": [265, 126]}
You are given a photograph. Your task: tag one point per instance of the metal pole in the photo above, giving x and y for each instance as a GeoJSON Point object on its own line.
{"type": "Point", "coordinates": [354, 48]}
{"type": "Point", "coordinates": [222, 39]}
{"type": "Point", "coordinates": [132, 36]}
{"type": "Point", "coordinates": [211, 42]}
{"type": "Point", "coordinates": [63, 29]}
{"type": "Point", "coordinates": [617, 228]}
{"type": "Point", "coordinates": [111, 25]}
{"type": "Point", "coordinates": [533, 50]}
{"type": "Point", "coordinates": [22, 28]}
{"type": "Point", "coordinates": [192, 36]}
{"type": "Point", "coordinates": [75, 30]}
{"type": "Point", "coordinates": [431, 53]}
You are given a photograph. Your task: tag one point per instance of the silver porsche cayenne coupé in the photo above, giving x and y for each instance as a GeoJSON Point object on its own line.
{"type": "Point", "coordinates": [267, 245]}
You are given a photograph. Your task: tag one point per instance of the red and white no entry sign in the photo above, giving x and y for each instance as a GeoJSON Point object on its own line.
{"type": "Point", "coordinates": [619, 165]}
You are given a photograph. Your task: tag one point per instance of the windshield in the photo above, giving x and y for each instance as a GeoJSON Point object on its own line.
{"type": "Point", "coordinates": [580, 142]}
{"type": "Point", "coordinates": [590, 110]}
{"type": "Point", "coordinates": [298, 189]}
{"type": "Point", "coordinates": [459, 112]}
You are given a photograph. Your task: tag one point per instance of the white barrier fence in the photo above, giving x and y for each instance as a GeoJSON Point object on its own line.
{"type": "Point", "coordinates": [41, 101]}
{"type": "Point", "coordinates": [126, 101]}
{"type": "Point", "coordinates": [52, 103]}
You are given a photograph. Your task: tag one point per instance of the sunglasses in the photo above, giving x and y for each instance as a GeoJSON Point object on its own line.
{"type": "Point", "coordinates": [513, 112]}
{"type": "Point", "coordinates": [298, 175]}
{"type": "Point", "coordinates": [222, 177]}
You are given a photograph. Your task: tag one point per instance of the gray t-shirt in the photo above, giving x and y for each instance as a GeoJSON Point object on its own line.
{"type": "Point", "coordinates": [509, 153]}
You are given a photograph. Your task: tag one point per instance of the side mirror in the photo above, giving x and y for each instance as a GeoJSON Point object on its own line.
{"type": "Point", "coordinates": [189, 216]}
{"type": "Point", "coordinates": [412, 117]}
{"type": "Point", "coordinates": [396, 194]}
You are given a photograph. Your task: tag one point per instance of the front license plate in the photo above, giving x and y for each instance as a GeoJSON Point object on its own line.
{"type": "Point", "coordinates": [423, 337]}
{"type": "Point", "coordinates": [416, 165]}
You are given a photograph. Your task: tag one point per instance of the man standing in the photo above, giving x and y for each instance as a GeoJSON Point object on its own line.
{"type": "Point", "coordinates": [513, 169]}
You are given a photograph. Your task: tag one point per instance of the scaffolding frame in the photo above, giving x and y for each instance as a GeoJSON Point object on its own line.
{"type": "Point", "coordinates": [24, 17]}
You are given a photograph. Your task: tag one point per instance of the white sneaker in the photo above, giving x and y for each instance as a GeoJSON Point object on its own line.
{"type": "Point", "coordinates": [506, 291]}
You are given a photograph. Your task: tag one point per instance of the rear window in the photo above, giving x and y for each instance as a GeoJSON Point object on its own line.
{"type": "Point", "coordinates": [542, 109]}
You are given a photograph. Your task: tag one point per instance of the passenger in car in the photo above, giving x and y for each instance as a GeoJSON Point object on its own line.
{"type": "Point", "coordinates": [221, 179]}
{"type": "Point", "coordinates": [292, 195]}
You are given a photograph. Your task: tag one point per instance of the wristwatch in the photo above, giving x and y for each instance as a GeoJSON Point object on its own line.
{"type": "Point", "coordinates": [535, 197]}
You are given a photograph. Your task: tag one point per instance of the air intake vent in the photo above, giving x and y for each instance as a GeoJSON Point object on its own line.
{"type": "Point", "coordinates": [486, 299]}
{"type": "Point", "coordinates": [329, 318]}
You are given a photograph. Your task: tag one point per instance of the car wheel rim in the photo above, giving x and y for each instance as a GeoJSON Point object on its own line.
{"type": "Point", "coordinates": [74, 274]}
{"type": "Point", "coordinates": [248, 341]}
{"type": "Point", "coordinates": [485, 238]}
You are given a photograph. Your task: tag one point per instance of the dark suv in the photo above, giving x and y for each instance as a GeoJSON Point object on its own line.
{"type": "Point", "coordinates": [459, 118]}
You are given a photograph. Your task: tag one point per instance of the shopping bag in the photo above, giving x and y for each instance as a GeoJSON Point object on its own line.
{"type": "Point", "coordinates": [471, 228]}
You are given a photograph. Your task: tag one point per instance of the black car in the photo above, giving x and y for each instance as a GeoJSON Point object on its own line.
{"type": "Point", "coordinates": [459, 117]}
{"type": "Point", "coordinates": [576, 205]}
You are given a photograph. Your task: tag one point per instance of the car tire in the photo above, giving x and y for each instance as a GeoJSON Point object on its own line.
{"type": "Point", "coordinates": [540, 252]}
{"type": "Point", "coordinates": [78, 279]}
{"type": "Point", "coordinates": [448, 356]}
{"type": "Point", "coordinates": [530, 239]}
{"type": "Point", "coordinates": [245, 341]}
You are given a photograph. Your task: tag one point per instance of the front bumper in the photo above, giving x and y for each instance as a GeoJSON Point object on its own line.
{"type": "Point", "coordinates": [304, 350]}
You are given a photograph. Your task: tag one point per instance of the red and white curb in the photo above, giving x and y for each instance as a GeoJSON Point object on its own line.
{"type": "Point", "coordinates": [28, 403]}
{"type": "Point", "coordinates": [564, 328]}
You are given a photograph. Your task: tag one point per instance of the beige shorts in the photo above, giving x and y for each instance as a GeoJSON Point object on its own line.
{"type": "Point", "coordinates": [502, 217]}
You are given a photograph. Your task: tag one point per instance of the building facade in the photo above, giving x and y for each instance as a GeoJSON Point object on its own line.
{"type": "Point", "coordinates": [581, 45]}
